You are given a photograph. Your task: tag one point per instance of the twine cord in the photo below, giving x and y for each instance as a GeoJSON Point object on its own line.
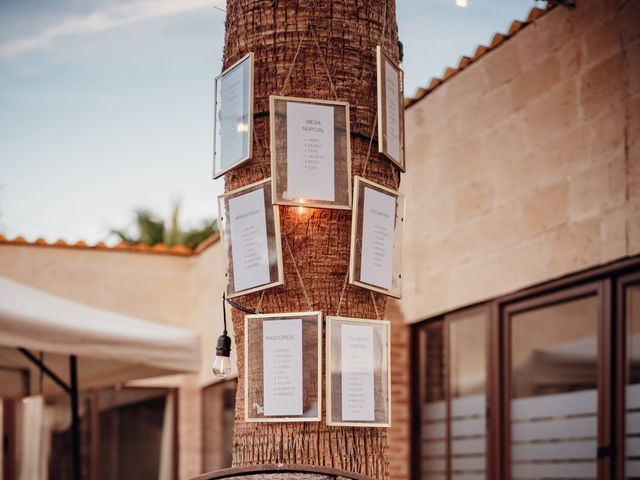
{"type": "Point", "coordinates": [373, 131]}
{"type": "Point", "coordinates": [295, 265]}
{"type": "Point", "coordinates": [344, 289]}
{"type": "Point", "coordinates": [292, 65]}
{"type": "Point", "coordinates": [375, 305]}
{"type": "Point", "coordinates": [259, 306]}
{"type": "Point", "coordinates": [324, 62]}
{"type": "Point", "coordinates": [285, 85]}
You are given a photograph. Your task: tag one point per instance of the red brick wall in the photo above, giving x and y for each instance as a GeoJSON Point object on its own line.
{"type": "Point", "coordinates": [399, 434]}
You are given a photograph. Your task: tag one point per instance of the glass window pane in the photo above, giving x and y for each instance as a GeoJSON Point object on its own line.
{"type": "Point", "coordinates": [218, 407]}
{"type": "Point", "coordinates": [432, 403]}
{"type": "Point", "coordinates": [136, 433]}
{"type": "Point", "coordinates": [554, 402]}
{"type": "Point", "coordinates": [467, 340]}
{"type": "Point", "coordinates": [632, 422]}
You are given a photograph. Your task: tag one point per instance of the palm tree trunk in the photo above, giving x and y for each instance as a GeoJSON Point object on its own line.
{"type": "Point", "coordinates": [346, 32]}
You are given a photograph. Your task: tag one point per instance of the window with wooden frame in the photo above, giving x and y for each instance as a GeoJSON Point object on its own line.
{"type": "Point", "coordinates": [218, 410]}
{"type": "Point", "coordinates": [561, 389]}
{"type": "Point", "coordinates": [452, 397]}
{"type": "Point", "coordinates": [628, 362]}
{"type": "Point", "coordinates": [555, 396]}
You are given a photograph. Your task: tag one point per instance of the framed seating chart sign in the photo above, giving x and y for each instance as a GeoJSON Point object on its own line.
{"type": "Point", "coordinates": [233, 116]}
{"type": "Point", "coordinates": [282, 364]}
{"type": "Point", "coordinates": [358, 372]}
{"type": "Point", "coordinates": [376, 238]}
{"type": "Point", "coordinates": [390, 108]}
{"type": "Point", "coordinates": [250, 228]}
{"type": "Point", "coordinates": [310, 152]}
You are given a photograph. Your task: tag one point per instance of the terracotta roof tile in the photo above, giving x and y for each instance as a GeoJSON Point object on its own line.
{"type": "Point", "coordinates": [159, 249]}
{"type": "Point", "coordinates": [435, 81]}
{"type": "Point", "coordinates": [207, 243]}
{"type": "Point", "coordinates": [497, 39]}
{"type": "Point", "coordinates": [515, 26]}
{"type": "Point", "coordinates": [480, 50]}
{"type": "Point", "coordinates": [534, 14]}
{"type": "Point", "coordinates": [421, 92]}
{"type": "Point", "coordinates": [464, 61]}
{"type": "Point", "coordinates": [449, 72]}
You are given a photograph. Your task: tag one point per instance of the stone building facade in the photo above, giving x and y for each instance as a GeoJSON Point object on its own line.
{"type": "Point", "coordinates": [522, 243]}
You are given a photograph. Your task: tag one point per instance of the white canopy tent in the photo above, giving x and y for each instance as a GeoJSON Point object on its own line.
{"type": "Point", "coordinates": [110, 347]}
{"type": "Point", "coordinates": [78, 346]}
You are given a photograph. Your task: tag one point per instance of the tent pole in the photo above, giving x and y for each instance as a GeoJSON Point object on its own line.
{"type": "Point", "coordinates": [75, 418]}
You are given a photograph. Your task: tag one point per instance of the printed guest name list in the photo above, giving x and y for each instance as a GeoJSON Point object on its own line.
{"type": "Point", "coordinates": [282, 363]}
{"type": "Point", "coordinates": [249, 244]}
{"type": "Point", "coordinates": [310, 152]}
{"type": "Point", "coordinates": [233, 127]}
{"type": "Point", "coordinates": [378, 220]}
{"type": "Point", "coordinates": [392, 110]}
{"type": "Point", "coordinates": [357, 373]}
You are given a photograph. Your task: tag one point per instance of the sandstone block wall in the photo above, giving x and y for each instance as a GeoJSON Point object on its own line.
{"type": "Point", "coordinates": [525, 166]}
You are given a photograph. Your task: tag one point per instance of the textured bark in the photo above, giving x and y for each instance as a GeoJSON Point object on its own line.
{"type": "Point", "coordinates": [347, 33]}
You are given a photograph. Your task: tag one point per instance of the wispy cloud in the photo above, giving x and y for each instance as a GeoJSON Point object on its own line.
{"type": "Point", "coordinates": [99, 20]}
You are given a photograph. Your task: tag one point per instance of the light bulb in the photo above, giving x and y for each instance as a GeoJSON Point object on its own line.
{"type": "Point", "coordinates": [301, 209]}
{"type": "Point", "coordinates": [221, 366]}
{"type": "Point", "coordinates": [222, 363]}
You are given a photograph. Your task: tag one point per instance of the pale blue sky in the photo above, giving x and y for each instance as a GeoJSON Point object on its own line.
{"type": "Point", "coordinates": [106, 106]}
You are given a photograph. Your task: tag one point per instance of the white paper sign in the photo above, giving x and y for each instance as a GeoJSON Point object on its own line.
{"type": "Point", "coordinates": [392, 109]}
{"type": "Point", "coordinates": [249, 245]}
{"type": "Point", "coordinates": [282, 363]}
{"type": "Point", "coordinates": [310, 152]}
{"type": "Point", "coordinates": [357, 373]}
{"type": "Point", "coordinates": [378, 219]}
{"type": "Point", "coordinates": [233, 125]}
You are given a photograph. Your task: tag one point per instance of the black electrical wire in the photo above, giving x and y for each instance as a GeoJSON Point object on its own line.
{"type": "Point", "coordinates": [239, 307]}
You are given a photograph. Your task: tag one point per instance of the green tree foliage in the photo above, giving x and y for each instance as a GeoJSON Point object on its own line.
{"type": "Point", "coordinates": [152, 230]}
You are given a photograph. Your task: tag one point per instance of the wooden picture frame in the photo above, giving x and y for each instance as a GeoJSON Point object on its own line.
{"type": "Point", "coordinates": [385, 274]}
{"type": "Point", "coordinates": [323, 174]}
{"type": "Point", "coordinates": [379, 379]}
{"type": "Point", "coordinates": [239, 123]}
{"type": "Point", "coordinates": [268, 257]}
{"type": "Point", "coordinates": [256, 400]}
{"type": "Point", "coordinates": [390, 108]}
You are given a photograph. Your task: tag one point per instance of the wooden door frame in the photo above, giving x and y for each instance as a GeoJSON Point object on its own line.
{"type": "Point", "coordinates": [621, 377]}
{"type": "Point", "coordinates": [611, 278]}
{"type": "Point", "coordinates": [416, 417]}
{"type": "Point", "coordinates": [601, 289]}
{"type": "Point", "coordinates": [444, 322]}
{"type": "Point", "coordinates": [483, 308]}
{"type": "Point", "coordinates": [94, 419]}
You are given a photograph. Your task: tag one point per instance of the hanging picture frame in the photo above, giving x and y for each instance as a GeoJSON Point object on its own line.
{"type": "Point", "coordinates": [282, 366]}
{"type": "Point", "coordinates": [250, 228]}
{"type": "Point", "coordinates": [376, 238]}
{"type": "Point", "coordinates": [390, 108]}
{"type": "Point", "coordinates": [233, 116]}
{"type": "Point", "coordinates": [310, 152]}
{"type": "Point", "coordinates": [358, 374]}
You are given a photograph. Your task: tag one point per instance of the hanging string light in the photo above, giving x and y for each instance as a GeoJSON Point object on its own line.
{"type": "Point", "coordinates": [222, 362]}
